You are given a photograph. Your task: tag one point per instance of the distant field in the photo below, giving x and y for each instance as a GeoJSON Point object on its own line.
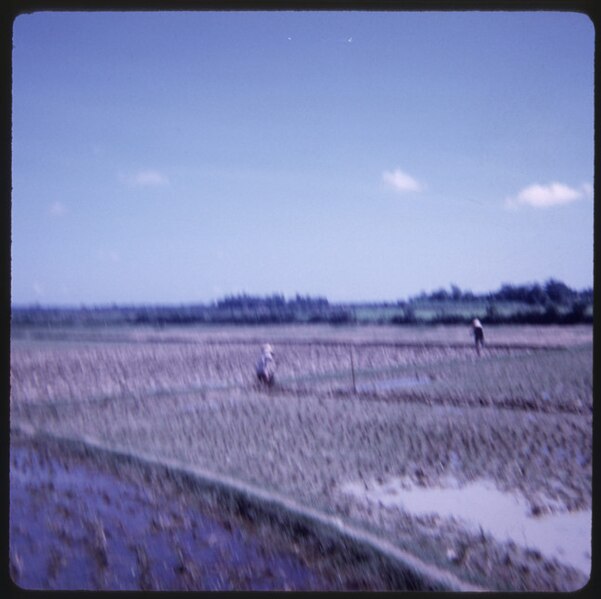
{"type": "Point", "coordinates": [350, 404]}
{"type": "Point", "coordinates": [427, 310]}
{"type": "Point", "coordinates": [519, 335]}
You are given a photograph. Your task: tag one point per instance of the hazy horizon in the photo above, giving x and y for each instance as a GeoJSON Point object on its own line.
{"type": "Point", "coordinates": [477, 297]}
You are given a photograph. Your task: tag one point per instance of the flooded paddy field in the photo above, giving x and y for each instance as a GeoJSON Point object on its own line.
{"type": "Point", "coordinates": [78, 523]}
{"type": "Point", "coordinates": [378, 427]}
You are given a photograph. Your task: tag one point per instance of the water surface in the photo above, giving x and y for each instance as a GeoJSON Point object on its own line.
{"type": "Point", "coordinates": [507, 516]}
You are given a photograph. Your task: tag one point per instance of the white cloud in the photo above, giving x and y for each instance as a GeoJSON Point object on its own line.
{"type": "Point", "coordinates": [401, 181]}
{"type": "Point", "coordinates": [57, 209]}
{"type": "Point", "coordinates": [146, 178]}
{"type": "Point", "coordinates": [545, 196]}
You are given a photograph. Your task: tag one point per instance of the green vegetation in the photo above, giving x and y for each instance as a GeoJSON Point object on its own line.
{"type": "Point", "coordinates": [551, 303]}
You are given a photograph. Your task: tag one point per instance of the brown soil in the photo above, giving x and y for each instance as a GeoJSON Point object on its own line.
{"type": "Point", "coordinates": [520, 416]}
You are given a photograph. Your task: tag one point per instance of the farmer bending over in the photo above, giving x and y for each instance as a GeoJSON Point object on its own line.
{"type": "Point", "coordinates": [478, 334]}
{"type": "Point", "coordinates": [266, 365]}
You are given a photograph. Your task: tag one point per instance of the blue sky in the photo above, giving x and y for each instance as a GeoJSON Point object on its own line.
{"type": "Point", "coordinates": [180, 157]}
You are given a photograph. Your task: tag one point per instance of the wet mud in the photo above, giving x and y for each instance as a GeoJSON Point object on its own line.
{"type": "Point", "coordinates": [516, 417]}
{"type": "Point", "coordinates": [75, 526]}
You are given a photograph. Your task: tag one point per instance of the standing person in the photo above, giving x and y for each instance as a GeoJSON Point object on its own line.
{"type": "Point", "coordinates": [265, 368]}
{"type": "Point", "coordinates": [478, 334]}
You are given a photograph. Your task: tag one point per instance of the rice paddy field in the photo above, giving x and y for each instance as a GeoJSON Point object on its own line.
{"type": "Point", "coordinates": [382, 458]}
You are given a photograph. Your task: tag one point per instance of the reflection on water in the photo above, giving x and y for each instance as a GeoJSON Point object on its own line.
{"type": "Point", "coordinates": [507, 516]}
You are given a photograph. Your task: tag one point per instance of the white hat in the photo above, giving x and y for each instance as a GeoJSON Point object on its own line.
{"type": "Point", "coordinates": [267, 349]}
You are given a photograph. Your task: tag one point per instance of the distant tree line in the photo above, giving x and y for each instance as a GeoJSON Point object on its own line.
{"type": "Point", "coordinates": [552, 292]}
{"type": "Point", "coordinates": [275, 301]}
{"type": "Point", "coordinates": [550, 303]}
{"type": "Point", "coordinates": [235, 309]}
{"type": "Point", "coordinates": [553, 302]}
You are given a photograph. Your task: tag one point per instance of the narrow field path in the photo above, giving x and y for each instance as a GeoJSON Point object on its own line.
{"type": "Point", "coordinates": [77, 525]}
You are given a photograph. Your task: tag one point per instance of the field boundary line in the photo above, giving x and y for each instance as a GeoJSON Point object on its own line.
{"type": "Point", "coordinates": [270, 502]}
{"type": "Point", "coordinates": [65, 338]}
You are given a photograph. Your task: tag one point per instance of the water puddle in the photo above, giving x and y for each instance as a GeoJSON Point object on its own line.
{"type": "Point", "coordinates": [74, 527]}
{"type": "Point", "coordinates": [507, 516]}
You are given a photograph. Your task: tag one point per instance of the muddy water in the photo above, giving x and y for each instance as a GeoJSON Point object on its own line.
{"type": "Point", "coordinates": [556, 533]}
{"type": "Point", "coordinates": [74, 527]}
